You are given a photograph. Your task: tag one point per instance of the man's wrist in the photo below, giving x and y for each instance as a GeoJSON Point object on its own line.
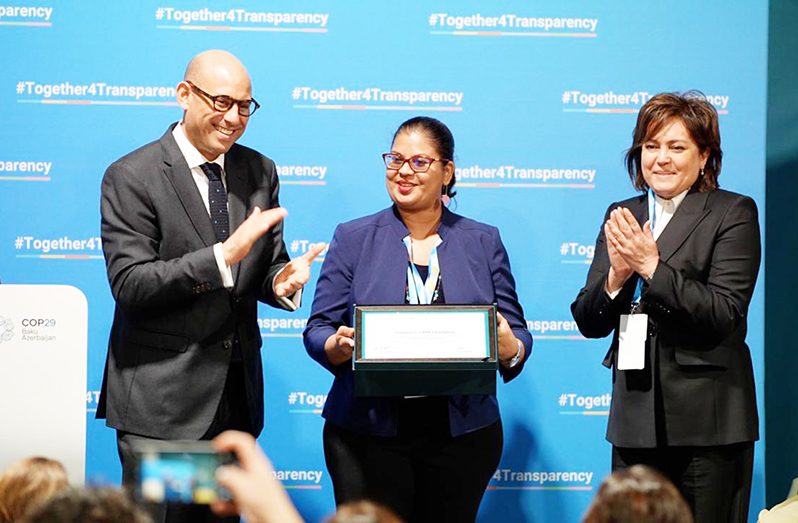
{"type": "Point", "coordinates": [225, 271]}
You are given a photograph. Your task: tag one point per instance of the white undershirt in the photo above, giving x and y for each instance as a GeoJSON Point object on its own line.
{"type": "Point", "coordinates": [664, 211]}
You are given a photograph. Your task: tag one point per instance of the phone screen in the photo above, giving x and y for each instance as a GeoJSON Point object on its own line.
{"type": "Point", "coordinates": [179, 472]}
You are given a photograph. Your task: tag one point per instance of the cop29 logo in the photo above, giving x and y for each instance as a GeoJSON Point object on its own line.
{"type": "Point", "coordinates": [6, 329]}
{"type": "Point", "coordinates": [38, 322]}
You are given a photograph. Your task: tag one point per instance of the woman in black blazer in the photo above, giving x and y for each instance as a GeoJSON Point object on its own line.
{"type": "Point", "coordinates": [672, 279]}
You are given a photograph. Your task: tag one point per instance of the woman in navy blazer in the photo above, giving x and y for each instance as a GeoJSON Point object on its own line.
{"type": "Point", "coordinates": [427, 458]}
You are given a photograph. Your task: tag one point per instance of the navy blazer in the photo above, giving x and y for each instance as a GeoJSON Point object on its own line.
{"type": "Point", "coordinates": [366, 265]}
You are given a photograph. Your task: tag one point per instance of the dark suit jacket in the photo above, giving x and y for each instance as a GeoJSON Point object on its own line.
{"type": "Point", "coordinates": [698, 386]}
{"type": "Point", "coordinates": [174, 323]}
{"type": "Point", "coordinates": [367, 264]}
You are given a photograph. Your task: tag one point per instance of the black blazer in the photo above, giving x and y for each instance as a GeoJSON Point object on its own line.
{"type": "Point", "coordinates": [175, 323]}
{"type": "Point", "coordinates": [698, 386]}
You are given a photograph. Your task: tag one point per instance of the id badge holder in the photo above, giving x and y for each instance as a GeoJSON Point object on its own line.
{"type": "Point", "coordinates": [632, 334]}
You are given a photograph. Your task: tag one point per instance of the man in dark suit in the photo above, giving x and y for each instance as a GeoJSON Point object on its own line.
{"type": "Point", "coordinates": [192, 237]}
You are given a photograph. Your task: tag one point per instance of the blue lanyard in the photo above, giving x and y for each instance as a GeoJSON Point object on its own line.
{"type": "Point", "coordinates": [420, 292]}
{"type": "Point", "coordinates": [652, 209]}
{"type": "Point", "coordinates": [652, 217]}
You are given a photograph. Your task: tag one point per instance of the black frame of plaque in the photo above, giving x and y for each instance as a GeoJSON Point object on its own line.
{"type": "Point", "coordinates": [427, 377]}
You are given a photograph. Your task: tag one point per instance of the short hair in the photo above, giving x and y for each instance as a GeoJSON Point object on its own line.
{"type": "Point", "coordinates": [89, 505]}
{"type": "Point", "coordinates": [440, 135]}
{"type": "Point", "coordinates": [638, 494]}
{"type": "Point", "coordinates": [363, 512]}
{"type": "Point", "coordinates": [28, 483]}
{"type": "Point", "coordinates": [699, 118]}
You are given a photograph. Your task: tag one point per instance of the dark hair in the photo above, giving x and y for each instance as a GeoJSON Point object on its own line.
{"type": "Point", "coordinates": [89, 505]}
{"type": "Point", "coordinates": [699, 118]}
{"type": "Point", "coordinates": [441, 136]}
{"type": "Point", "coordinates": [638, 493]}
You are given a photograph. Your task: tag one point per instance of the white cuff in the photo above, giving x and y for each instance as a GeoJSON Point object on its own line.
{"type": "Point", "coordinates": [224, 270]}
{"type": "Point", "coordinates": [292, 302]}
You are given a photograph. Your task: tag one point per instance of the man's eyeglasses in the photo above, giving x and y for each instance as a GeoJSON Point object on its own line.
{"type": "Point", "coordinates": [223, 103]}
{"type": "Point", "coordinates": [418, 163]}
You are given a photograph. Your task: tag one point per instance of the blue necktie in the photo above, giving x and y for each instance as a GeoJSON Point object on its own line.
{"type": "Point", "coordinates": [217, 206]}
{"type": "Point", "coordinates": [217, 200]}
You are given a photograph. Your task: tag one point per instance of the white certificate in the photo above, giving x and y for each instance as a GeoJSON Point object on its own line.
{"type": "Point", "coordinates": [431, 334]}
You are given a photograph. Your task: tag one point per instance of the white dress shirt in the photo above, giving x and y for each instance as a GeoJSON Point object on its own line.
{"type": "Point", "coordinates": [195, 159]}
{"type": "Point", "coordinates": [664, 210]}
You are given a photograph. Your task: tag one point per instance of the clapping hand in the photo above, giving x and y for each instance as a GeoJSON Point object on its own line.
{"type": "Point", "coordinates": [296, 273]}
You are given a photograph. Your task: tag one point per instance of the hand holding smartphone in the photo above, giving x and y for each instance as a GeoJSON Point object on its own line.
{"type": "Point", "coordinates": [257, 494]}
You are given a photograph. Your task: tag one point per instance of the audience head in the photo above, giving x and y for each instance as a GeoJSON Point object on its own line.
{"type": "Point", "coordinates": [363, 512]}
{"type": "Point", "coordinates": [28, 483]}
{"type": "Point", "coordinates": [88, 505]}
{"type": "Point", "coordinates": [638, 494]}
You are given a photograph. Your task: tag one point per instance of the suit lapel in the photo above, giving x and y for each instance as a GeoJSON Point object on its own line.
{"type": "Point", "coordinates": [689, 214]}
{"type": "Point", "coordinates": [393, 260]}
{"type": "Point", "coordinates": [394, 270]}
{"type": "Point", "coordinates": [177, 171]}
{"type": "Point", "coordinates": [639, 208]}
{"type": "Point", "coordinates": [238, 192]}
{"type": "Point", "coordinates": [454, 267]}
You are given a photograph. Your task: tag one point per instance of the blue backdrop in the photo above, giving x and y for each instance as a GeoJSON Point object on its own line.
{"type": "Point", "coordinates": [541, 97]}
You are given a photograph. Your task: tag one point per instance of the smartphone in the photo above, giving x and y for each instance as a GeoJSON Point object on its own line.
{"type": "Point", "coordinates": [179, 472]}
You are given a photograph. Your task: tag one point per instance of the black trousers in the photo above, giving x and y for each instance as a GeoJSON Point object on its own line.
{"type": "Point", "coordinates": [230, 414]}
{"type": "Point", "coordinates": [715, 481]}
{"type": "Point", "coordinates": [424, 474]}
